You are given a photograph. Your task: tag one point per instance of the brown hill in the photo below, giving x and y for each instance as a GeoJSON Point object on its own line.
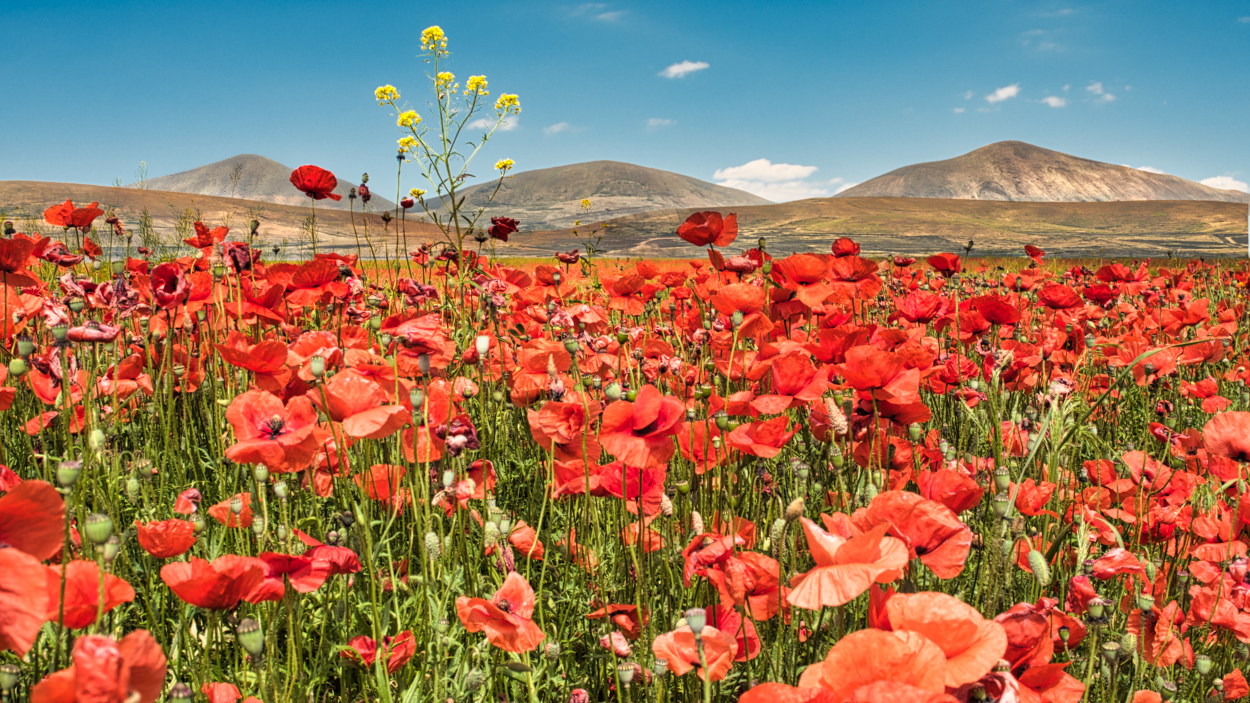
{"type": "Point", "coordinates": [259, 178]}
{"type": "Point", "coordinates": [922, 226]}
{"type": "Point", "coordinates": [1022, 172]}
{"type": "Point", "coordinates": [550, 198]}
{"type": "Point", "coordinates": [280, 225]}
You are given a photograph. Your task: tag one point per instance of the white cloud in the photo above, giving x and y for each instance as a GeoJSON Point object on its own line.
{"type": "Point", "coordinates": [1065, 88]}
{"type": "Point", "coordinates": [959, 110]}
{"type": "Point", "coordinates": [844, 186]}
{"type": "Point", "coordinates": [1055, 101]}
{"type": "Point", "coordinates": [556, 128]}
{"type": "Point", "coordinates": [1105, 98]}
{"type": "Point", "coordinates": [684, 68]}
{"type": "Point", "coordinates": [655, 123]}
{"type": "Point", "coordinates": [589, 7]}
{"type": "Point", "coordinates": [1244, 20]}
{"type": "Point", "coordinates": [1226, 183]}
{"type": "Point", "coordinates": [484, 124]}
{"type": "Point", "coordinates": [1147, 169]}
{"type": "Point", "coordinates": [766, 171]}
{"type": "Point", "coordinates": [777, 182]}
{"type": "Point", "coordinates": [968, 95]}
{"type": "Point", "coordinates": [612, 16]}
{"type": "Point", "coordinates": [1095, 88]}
{"type": "Point", "coordinates": [1004, 93]}
{"type": "Point", "coordinates": [1065, 12]}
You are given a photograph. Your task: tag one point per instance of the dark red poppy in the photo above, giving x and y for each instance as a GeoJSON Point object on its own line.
{"type": "Point", "coordinates": [107, 671]}
{"type": "Point", "coordinates": [397, 651]}
{"type": "Point", "coordinates": [216, 585]}
{"type": "Point", "coordinates": [624, 616]}
{"type": "Point", "coordinates": [1034, 253]}
{"type": "Point", "coordinates": [315, 182]}
{"type": "Point", "coordinates": [501, 227]}
{"type": "Point", "coordinates": [93, 333]}
{"type": "Point", "coordinates": [709, 228]}
{"type": "Point", "coordinates": [170, 287]}
{"type": "Point", "coordinates": [845, 246]}
{"type": "Point", "coordinates": [166, 539]}
{"type": "Point", "coordinates": [57, 253]}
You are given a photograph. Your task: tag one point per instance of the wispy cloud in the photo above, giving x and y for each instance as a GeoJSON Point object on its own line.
{"type": "Point", "coordinates": [1226, 182]}
{"type": "Point", "coordinates": [959, 110]}
{"type": "Point", "coordinates": [684, 68]}
{"type": "Point", "coordinates": [778, 182]}
{"type": "Point", "coordinates": [1055, 101]}
{"type": "Point", "coordinates": [968, 95]}
{"type": "Point", "coordinates": [1004, 93]}
{"type": "Point", "coordinates": [655, 123]}
{"type": "Point", "coordinates": [555, 128]}
{"type": "Point", "coordinates": [1243, 20]}
{"type": "Point", "coordinates": [611, 16]}
{"type": "Point", "coordinates": [1097, 88]}
{"type": "Point", "coordinates": [1147, 169]}
{"type": "Point", "coordinates": [484, 124]}
{"type": "Point", "coordinates": [1041, 40]}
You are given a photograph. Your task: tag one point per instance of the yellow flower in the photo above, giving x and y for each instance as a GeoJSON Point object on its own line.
{"type": "Point", "coordinates": [386, 93]}
{"type": "Point", "coordinates": [416, 192]}
{"type": "Point", "coordinates": [407, 144]}
{"type": "Point", "coordinates": [507, 102]}
{"type": "Point", "coordinates": [409, 119]}
{"type": "Point", "coordinates": [476, 86]}
{"type": "Point", "coordinates": [445, 77]}
{"type": "Point", "coordinates": [585, 203]}
{"type": "Point", "coordinates": [504, 165]}
{"type": "Point", "coordinates": [433, 38]}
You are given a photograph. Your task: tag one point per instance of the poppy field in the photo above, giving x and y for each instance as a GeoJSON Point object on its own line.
{"type": "Point", "coordinates": [807, 478]}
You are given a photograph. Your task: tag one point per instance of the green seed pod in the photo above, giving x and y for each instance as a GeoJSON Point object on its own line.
{"type": "Point", "coordinates": [112, 548]}
{"type": "Point", "coordinates": [67, 473]}
{"type": "Point", "coordinates": [1041, 570]}
{"type": "Point", "coordinates": [258, 526]}
{"type": "Point", "coordinates": [99, 528]}
{"type": "Point", "coordinates": [432, 547]}
{"type": "Point", "coordinates": [260, 473]}
{"type": "Point", "coordinates": [251, 637]}
{"type": "Point", "coordinates": [17, 367]}
{"type": "Point", "coordinates": [96, 440]}
{"type": "Point", "coordinates": [473, 682]}
{"type": "Point", "coordinates": [133, 489]}
{"type": "Point", "coordinates": [1203, 664]}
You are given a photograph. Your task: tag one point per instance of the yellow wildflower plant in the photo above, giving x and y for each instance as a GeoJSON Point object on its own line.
{"type": "Point", "coordinates": [433, 39]}
{"type": "Point", "coordinates": [585, 203]}
{"type": "Point", "coordinates": [508, 102]}
{"type": "Point", "coordinates": [407, 144]}
{"type": "Point", "coordinates": [386, 93]}
{"type": "Point", "coordinates": [416, 192]}
{"type": "Point", "coordinates": [504, 165]}
{"type": "Point", "coordinates": [476, 86]}
{"type": "Point", "coordinates": [409, 118]}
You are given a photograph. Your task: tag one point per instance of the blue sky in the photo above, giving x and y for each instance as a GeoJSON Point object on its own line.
{"type": "Point", "coordinates": [787, 100]}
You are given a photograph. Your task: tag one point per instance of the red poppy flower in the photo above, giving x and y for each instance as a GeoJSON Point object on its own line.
{"type": "Point", "coordinates": [845, 246]}
{"type": "Point", "coordinates": [501, 227]}
{"type": "Point", "coordinates": [931, 531]}
{"type": "Point", "coordinates": [763, 439]}
{"type": "Point", "coordinates": [15, 253]}
{"type": "Point", "coordinates": [188, 501]}
{"type": "Point", "coordinates": [1228, 435]}
{"type": "Point", "coordinates": [770, 692]}
{"type": "Point", "coordinates": [221, 692]}
{"type": "Point", "coordinates": [223, 512]}
{"type": "Point", "coordinates": [845, 568]}
{"type": "Point", "coordinates": [996, 309]}
{"type": "Point", "coordinates": [305, 574]}
{"type": "Point", "coordinates": [681, 650]}
{"type": "Point", "coordinates": [32, 519]}
{"type": "Point", "coordinates": [82, 593]}
{"type": "Point", "coordinates": [867, 656]}
{"type": "Point", "coordinates": [946, 264]}
{"type": "Point", "coordinates": [315, 182]}
{"type": "Point", "coordinates": [280, 437]}
{"type": "Point", "coordinates": [397, 650]}
{"type": "Point", "coordinates": [170, 287]}
{"type": "Point", "coordinates": [506, 618]}
{"type": "Point", "coordinates": [565, 429]}
{"type": "Point", "coordinates": [638, 433]}
{"type": "Point", "coordinates": [360, 404]}
{"type": "Point", "coordinates": [624, 616]}
{"type": "Point", "coordinates": [382, 481]}
{"type": "Point", "coordinates": [745, 298]}
{"type": "Point", "coordinates": [204, 237]}
{"type": "Point", "coordinates": [216, 585]}
{"type": "Point", "coordinates": [166, 539]}
{"type": "Point", "coordinates": [804, 274]}
{"type": "Point", "coordinates": [882, 374]}
{"type": "Point", "coordinates": [920, 307]}
{"type": "Point", "coordinates": [694, 439]}
{"type": "Point", "coordinates": [1057, 296]}
{"type": "Point", "coordinates": [107, 671]}
{"type": "Point", "coordinates": [709, 228]}
{"type": "Point", "coordinates": [972, 644]}
{"type": "Point", "coordinates": [23, 600]}
{"type": "Point", "coordinates": [66, 215]}
{"type": "Point", "coordinates": [796, 381]}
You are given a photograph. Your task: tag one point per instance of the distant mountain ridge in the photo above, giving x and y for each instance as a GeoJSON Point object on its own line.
{"type": "Point", "coordinates": [260, 178]}
{"type": "Point", "coordinates": [1016, 171]}
{"type": "Point", "coordinates": [550, 198]}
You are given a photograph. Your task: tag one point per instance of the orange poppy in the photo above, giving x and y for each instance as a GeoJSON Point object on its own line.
{"type": "Point", "coordinates": [107, 671]}
{"type": "Point", "coordinates": [216, 585]}
{"type": "Point", "coordinates": [1228, 435]}
{"type": "Point", "coordinates": [224, 513]}
{"type": "Point", "coordinates": [82, 592]}
{"type": "Point", "coordinates": [165, 539]}
{"type": "Point", "coordinates": [867, 656]}
{"type": "Point", "coordinates": [23, 600]}
{"type": "Point", "coordinates": [681, 650]}
{"type": "Point", "coordinates": [397, 650]}
{"type": "Point", "coordinates": [624, 616]}
{"type": "Point", "coordinates": [709, 229]}
{"type": "Point", "coordinates": [269, 433]}
{"type": "Point", "coordinates": [972, 644]}
{"type": "Point", "coordinates": [506, 617]}
{"type": "Point", "coordinates": [845, 568]}
{"type": "Point", "coordinates": [931, 531]}
{"type": "Point", "coordinates": [32, 519]}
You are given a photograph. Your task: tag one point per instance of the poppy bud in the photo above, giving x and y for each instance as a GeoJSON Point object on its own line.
{"type": "Point", "coordinates": [473, 682]}
{"type": "Point", "coordinates": [67, 473]}
{"type": "Point", "coordinates": [9, 231]}
{"type": "Point", "coordinates": [423, 363]}
{"type": "Point", "coordinates": [613, 391]}
{"type": "Point", "coordinates": [579, 695]}
{"type": "Point", "coordinates": [1041, 570]}
{"type": "Point", "coordinates": [132, 489]}
{"type": "Point", "coordinates": [98, 528]}
{"type": "Point", "coordinates": [251, 637]}
{"type": "Point", "coordinates": [696, 620]}
{"type": "Point", "coordinates": [181, 693]}
{"type": "Point", "coordinates": [112, 548]}
{"type": "Point", "coordinates": [407, 203]}
{"type": "Point", "coordinates": [17, 366]}
{"type": "Point", "coordinates": [696, 522]}
{"type": "Point", "coordinates": [482, 344]}
{"type": "Point", "coordinates": [433, 549]}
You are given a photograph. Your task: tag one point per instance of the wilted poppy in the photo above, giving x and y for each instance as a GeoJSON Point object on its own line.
{"type": "Point", "coordinates": [501, 227]}
{"type": "Point", "coordinates": [315, 182]}
{"type": "Point", "coordinates": [506, 617]}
